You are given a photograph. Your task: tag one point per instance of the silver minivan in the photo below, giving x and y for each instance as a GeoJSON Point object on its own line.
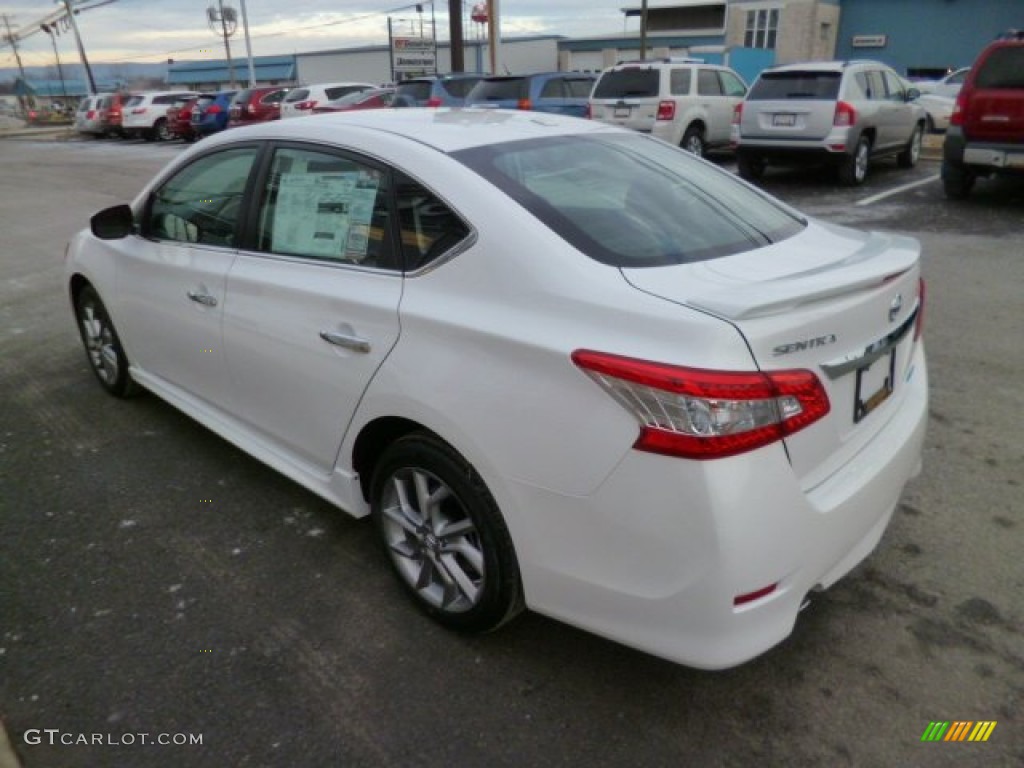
{"type": "Point", "coordinates": [844, 113]}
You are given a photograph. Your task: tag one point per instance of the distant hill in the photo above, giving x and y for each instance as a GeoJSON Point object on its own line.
{"type": "Point", "coordinates": [100, 70]}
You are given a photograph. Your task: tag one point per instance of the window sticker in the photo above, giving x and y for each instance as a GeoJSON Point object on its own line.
{"type": "Point", "coordinates": [325, 215]}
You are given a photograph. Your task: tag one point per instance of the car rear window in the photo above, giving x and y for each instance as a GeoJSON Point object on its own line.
{"type": "Point", "coordinates": [796, 85]}
{"type": "Point", "coordinates": [417, 89]}
{"type": "Point", "coordinates": [459, 87]}
{"type": "Point", "coordinates": [628, 200]}
{"type": "Point", "coordinates": [297, 95]}
{"type": "Point", "coordinates": [1004, 68]}
{"type": "Point", "coordinates": [342, 90]}
{"type": "Point", "coordinates": [500, 89]}
{"type": "Point", "coordinates": [627, 83]}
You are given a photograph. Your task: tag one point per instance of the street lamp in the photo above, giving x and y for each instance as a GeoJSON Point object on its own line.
{"type": "Point", "coordinates": [52, 32]}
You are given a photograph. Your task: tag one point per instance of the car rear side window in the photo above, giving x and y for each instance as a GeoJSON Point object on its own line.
{"type": "Point", "coordinates": [679, 81]}
{"type": "Point", "coordinates": [553, 89]}
{"type": "Point", "coordinates": [631, 201]}
{"type": "Point", "coordinates": [319, 205]}
{"type": "Point", "coordinates": [796, 85]}
{"type": "Point", "coordinates": [500, 89]}
{"type": "Point", "coordinates": [201, 203]}
{"type": "Point", "coordinates": [632, 83]}
{"type": "Point", "coordinates": [708, 83]}
{"type": "Point", "coordinates": [459, 87]}
{"type": "Point", "coordinates": [297, 95]}
{"type": "Point", "coordinates": [1004, 68]}
{"type": "Point", "coordinates": [342, 90]}
{"type": "Point", "coordinates": [428, 227]}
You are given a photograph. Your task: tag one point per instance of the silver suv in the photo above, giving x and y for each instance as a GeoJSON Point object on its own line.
{"type": "Point", "coordinates": [683, 101]}
{"type": "Point", "coordinates": [842, 113]}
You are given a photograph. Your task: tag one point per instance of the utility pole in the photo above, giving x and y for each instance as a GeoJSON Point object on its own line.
{"type": "Point", "coordinates": [52, 32]}
{"type": "Point", "coordinates": [81, 48]}
{"type": "Point", "coordinates": [17, 56]}
{"type": "Point", "coordinates": [455, 33]}
{"type": "Point", "coordinates": [248, 45]}
{"type": "Point", "coordinates": [227, 45]}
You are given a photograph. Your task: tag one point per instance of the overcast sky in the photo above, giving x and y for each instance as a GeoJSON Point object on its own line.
{"type": "Point", "coordinates": [155, 30]}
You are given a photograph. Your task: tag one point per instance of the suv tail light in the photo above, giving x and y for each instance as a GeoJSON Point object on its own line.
{"type": "Point", "coordinates": [308, 104]}
{"type": "Point", "coordinates": [250, 108]}
{"type": "Point", "coordinates": [845, 115]}
{"type": "Point", "coordinates": [959, 114]}
{"type": "Point", "coordinates": [213, 109]}
{"type": "Point", "coordinates": [696, 413]}
{"type": "Point", "coordinates": [737, 113]}
{"type": "Point", "coordinates": [524, 104]}
{"type": "Point", "coordinates": [434, 101]}
{"type": "Point", "coordinates": [139, 111]}
{"type": "Point", "coordinates": [666, 110]}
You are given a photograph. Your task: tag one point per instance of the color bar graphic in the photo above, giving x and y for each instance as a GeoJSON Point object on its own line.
{"type": "Point", "coordinates": [958, 730]}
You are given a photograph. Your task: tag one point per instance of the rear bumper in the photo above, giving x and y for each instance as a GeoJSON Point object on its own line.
{"type": "Point", "coordinates": [982, 158]}
{"type": "Point", "coordinates": [657, 555]}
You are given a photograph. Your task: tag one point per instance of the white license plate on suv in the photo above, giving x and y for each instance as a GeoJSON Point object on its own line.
{"type": "Point", "coordinates": [784, 120]}
{"type": "Point", "coordinates": [623, 112]}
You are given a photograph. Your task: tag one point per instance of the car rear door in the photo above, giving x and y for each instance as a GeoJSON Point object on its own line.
{"type": "Point", "coordinates": [312, 307]}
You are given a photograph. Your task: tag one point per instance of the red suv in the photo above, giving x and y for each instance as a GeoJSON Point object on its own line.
{"type": "Point", "coordinates": [256, 105]}
{"type": "Point", "coordinates": [986, 130]}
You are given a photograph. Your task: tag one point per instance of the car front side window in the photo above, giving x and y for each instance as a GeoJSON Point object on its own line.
{"type": "Point", "coordinates": [201, 203]}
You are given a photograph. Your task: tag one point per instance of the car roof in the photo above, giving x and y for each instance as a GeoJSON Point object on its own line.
{"type": "Point", "coordinates": [824, 66]}
{"type": "Point", "coordinates": [446, 130]}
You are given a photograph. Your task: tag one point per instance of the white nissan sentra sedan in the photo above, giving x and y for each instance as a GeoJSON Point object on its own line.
{"type": "Point", "coordinates": [564, 366]}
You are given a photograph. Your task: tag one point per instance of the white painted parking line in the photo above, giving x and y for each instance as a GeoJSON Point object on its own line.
{"type": "Point", "coordinates": [897, 190]}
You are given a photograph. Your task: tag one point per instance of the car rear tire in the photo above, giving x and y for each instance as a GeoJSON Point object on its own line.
{"type": "Point", "coordinates": [750, 167]}
{"type": "Point", "coordinates": [957, 183]}
{"type": "Point", "coordinates": [102, 344]}
{"type": "Point", "coordinates": [693, 141]}
{"type": "Point", "coordinates": [447, 541]}
{"type": "Point", "coordinates": [854, 168]}
{"type": "Point", "coordinates": [912, 152]}
{"type": "Point", "coordinates": [160, 131]}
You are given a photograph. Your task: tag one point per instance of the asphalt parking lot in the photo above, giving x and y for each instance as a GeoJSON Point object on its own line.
{"type": "Point", "coordinates": [155, 580]}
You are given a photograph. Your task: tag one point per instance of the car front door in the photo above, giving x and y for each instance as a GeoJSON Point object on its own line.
{"type": "Point", "coordinates": [313, 301]}
{"type": "Point", "coordinates": [171, 278]}
{"type": "Point", "coordinates": [899, 114]}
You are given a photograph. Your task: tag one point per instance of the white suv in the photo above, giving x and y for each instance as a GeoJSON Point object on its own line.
{"type": "Point", "coordinates": [145, 114]}
{"type": "Point", "coordinates": [301, 101]}
{"type": "Point", "coordinates": [683, 101]}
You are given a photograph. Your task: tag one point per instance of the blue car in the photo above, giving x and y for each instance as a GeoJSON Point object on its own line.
{"type": "Point", "coordinates": [211, 112]}
{"type": "Point", "coordinates": [435, 90]}
{"type": "Point", "coordinates": [565, 93]}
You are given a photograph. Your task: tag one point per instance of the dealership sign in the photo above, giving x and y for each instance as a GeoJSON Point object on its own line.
{"type": "Point", "coordinates": [414, 54]}
{"type": "Point", "coordinates": [870, 41]}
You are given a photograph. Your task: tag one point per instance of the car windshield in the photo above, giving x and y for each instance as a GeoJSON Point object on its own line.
{"type": "Point", "coordinates": [631, 201]}
{"type": "Point", "coordinates": [796, 85]}
{"type": "Point", "coordinates": [629, 83]}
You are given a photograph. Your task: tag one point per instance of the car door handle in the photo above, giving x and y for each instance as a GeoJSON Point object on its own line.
{"type": "Point", "coordinates": [203, 298]}
{"type": "Point", "coordinates": [345, 340]}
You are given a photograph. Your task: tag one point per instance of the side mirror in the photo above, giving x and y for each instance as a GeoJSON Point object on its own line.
{"type": "Point", "coordinates": [913, 93]}
{"type": "Point", "coordinates": [113, 223]}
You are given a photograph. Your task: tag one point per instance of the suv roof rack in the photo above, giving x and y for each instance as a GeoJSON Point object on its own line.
{"type": "Point", "coordinates": [1011, 34]}
{"type": "Point", "coordinates": [662, 60]}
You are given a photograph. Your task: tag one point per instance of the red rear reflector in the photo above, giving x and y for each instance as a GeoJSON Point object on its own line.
{"type": "Point", "coordinates": [666, 110]}
{"type": "Point", "coordinates": [959, 115]}
{"type": "Point", "coordinates": [845, 115]}
{"type": "Point", "coordinates": [737, 113]}
{"type": "Point", "coordinates": [750, 597]}
{"type": "Point", "coordinates": [434, 101]}
{"type": "Point", "coordinates": [697, 413]}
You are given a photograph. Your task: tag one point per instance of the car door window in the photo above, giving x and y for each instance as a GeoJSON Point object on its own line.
{"type": "Point", "coordinates": [429, 228]}
{"type": "Point", "coordinates": [893, 87]}
{"type": "Point", "coordinates": [553, 89]}
{"type": "Point", "coordinates": [679, 82]}
{"type": "Point", "coordinates": [326, 206]}
{"type": "Point", "coordinates": [707, 83]}
{"type": "Point", "coordinates": [732, 85]}
{"type": "Point", "coordinates": [201, 203]}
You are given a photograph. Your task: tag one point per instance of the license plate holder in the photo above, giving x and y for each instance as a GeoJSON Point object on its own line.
{"type": "Point", "coordinates": [623, 112]}
{"type": "Point", "coordinates": [877, 380]}
{"type": "Point", "coordinates": [784, 120]}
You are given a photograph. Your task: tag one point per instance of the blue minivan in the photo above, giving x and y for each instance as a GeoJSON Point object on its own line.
{"type": "Point", "coordinates": [565, 93]}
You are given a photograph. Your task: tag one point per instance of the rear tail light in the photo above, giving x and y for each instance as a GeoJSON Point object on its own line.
{"type": "Point", "coordinates": [737, 113]}
{"type": "Point", "coordinates": [251, 109]}
{"type": "Point", "coordinates": [524, 104]}
{"type": "Point", "coordinates": [213, 109]}
{"type": "Point", "coordinates": [91, 114]}
{"type": "Point", "coordinates": [139, 111]}
{"type": "Point", "coordinates": [919, 322]}
{"type": "Point", "coordinates": [845, 115]}
{"type": "Point", "coordinates": [696, 413]}
{"type": "Point", "coordinates": [306, 104]}
{"type": "Point", "coordinates": [666, 110]}
{"type": "Point", "coordinates": [434, 101]}
{"type": "Point", "coordinates": [959, 115]}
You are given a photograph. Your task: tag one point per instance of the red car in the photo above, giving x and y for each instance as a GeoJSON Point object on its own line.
{"type": "Point", "coordinates": [377, 98]}
{"type": "Point", "coordinates": [179, 119]}
{"type": "Point", "coordinates": [256, 105]}
{"type": "Point", "coordinates": [111, 109]}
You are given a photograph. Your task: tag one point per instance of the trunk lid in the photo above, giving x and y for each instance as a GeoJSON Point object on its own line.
{"type": "Point", "coordinates": [791, 104]}
{"type": "Point", "coordinates": [840, 303]}
{"type": "Point", "coordinates": [993, 100]}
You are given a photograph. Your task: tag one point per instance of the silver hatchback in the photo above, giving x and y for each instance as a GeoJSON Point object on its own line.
{"type": "Point", "coordinates": [841, 113]}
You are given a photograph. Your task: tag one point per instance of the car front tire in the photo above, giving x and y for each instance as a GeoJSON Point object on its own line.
{"type": "Point", "coordinates": [102, 344]}
{"type": "Point", "coordinates": [912, 152]}
{"type": "Point", "coordinates": [444, 533]}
